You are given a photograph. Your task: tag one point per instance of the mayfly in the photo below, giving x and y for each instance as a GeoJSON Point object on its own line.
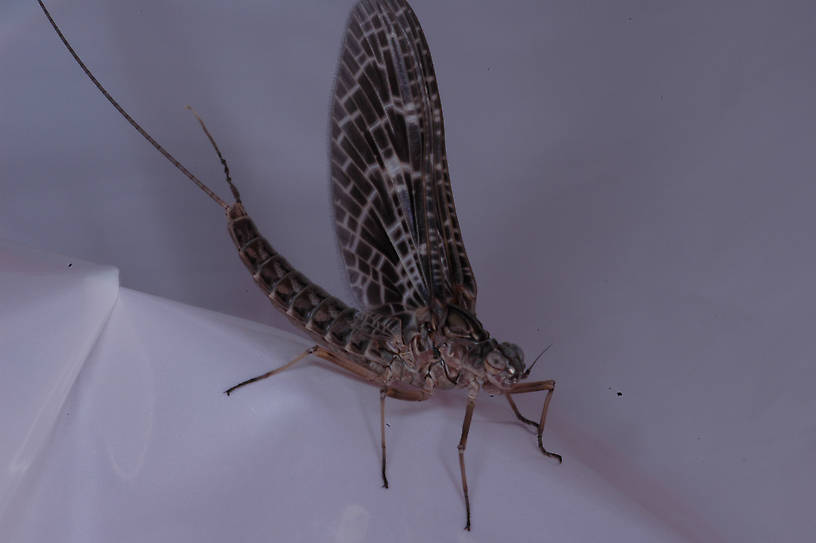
{"type": "Point", "coordinates": [398, 234]}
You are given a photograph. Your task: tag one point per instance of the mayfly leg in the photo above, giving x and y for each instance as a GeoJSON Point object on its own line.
{"type": "Point", "coordinates": [522, 388]}
{"type": "Point", "coordinates": [462, 445]}
{"type": "Point", "coordinates": [406, 394]}
{"type": "Point", "coordinates": [518, 414]}
{"type": "Point", "coordinates": [383, 393]}
{"type": "Point", "coordinates": [298, 358]}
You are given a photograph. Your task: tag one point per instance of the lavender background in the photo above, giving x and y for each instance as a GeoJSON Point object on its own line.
{"type": "Point", "coordinates": [634, 181]}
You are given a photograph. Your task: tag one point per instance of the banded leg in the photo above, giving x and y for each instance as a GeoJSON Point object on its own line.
{"type": "Point", "coordinates": [288, 365]}
{"type": "Point", "coordinates": [521, 388]}
{"type": "Point", "coordinates": [462, 444]}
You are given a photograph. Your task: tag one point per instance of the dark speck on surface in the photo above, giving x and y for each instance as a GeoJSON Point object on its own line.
{"type": "Point", "coordinates": [620, 393]}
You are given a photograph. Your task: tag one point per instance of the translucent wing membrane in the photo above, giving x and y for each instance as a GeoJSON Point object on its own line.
{"type": "Point", "coordinates": [395, 218]}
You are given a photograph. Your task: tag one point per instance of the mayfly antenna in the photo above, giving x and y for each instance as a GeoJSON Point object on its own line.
{"type": "Point", "coordinates": [135, 125]}
{"type": "Point", "coordinates": [528, 370]}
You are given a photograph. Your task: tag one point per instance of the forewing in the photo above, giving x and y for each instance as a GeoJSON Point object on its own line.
{"type": "Point", "coordinates": [395, 218]}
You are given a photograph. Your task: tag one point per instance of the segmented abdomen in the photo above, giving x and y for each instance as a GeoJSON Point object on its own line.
{"type": "Point", "coordinates": [359, 335]}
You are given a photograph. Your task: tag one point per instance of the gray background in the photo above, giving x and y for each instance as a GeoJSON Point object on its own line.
{"type": "Point", "coordinates": [634, 183]}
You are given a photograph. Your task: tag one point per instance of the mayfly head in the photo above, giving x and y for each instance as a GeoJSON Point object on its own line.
{"type": "Point", "coordinates": [503, 364]}
{"type": "Point", "coordinates": [466, 343]}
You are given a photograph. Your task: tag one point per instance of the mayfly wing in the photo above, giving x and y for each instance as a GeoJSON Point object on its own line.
{"type": "Point", "coordinates": [395, 217]}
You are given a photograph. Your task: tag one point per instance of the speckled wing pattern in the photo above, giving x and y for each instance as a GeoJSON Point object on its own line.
{"type": "Point", "coordinates": [395, 217]}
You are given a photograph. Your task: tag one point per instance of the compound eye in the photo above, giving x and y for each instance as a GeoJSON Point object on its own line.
{"type": "Point", "coordinates": [496, 360]}
{"type": "Point", "coordinates": [512, 351]}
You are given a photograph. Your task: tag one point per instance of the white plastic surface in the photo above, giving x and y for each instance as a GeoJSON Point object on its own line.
{"type": "Point", "coordinates": [52, 309]}
{"type": "Point", "coordinates": [147, 448]}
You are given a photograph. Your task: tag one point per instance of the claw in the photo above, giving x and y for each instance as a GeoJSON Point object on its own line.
{"type": "Point", "coordinates": [551, 454]}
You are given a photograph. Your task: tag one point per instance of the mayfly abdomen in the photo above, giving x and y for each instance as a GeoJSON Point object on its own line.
{"type": "Point", "coordinates": [308, 305]}
{"type": "Point", "coordinates": [291, 291]}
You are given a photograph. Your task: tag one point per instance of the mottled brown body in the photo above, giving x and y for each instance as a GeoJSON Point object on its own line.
{"type": "Point", "coordinates": [388, 350]}
{"type": "Point", "coordinates": [367, 339]}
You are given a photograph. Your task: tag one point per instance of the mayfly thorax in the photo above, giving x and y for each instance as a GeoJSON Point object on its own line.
{"type": "Point", "coordinates": [416, 330]}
